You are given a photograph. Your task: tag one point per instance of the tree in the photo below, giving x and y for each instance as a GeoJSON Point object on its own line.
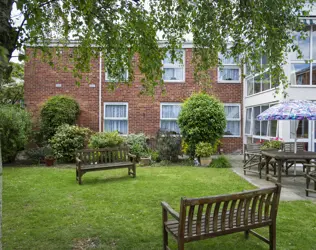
{"type": "Point", "coordinates": [121, 28]}
{"type": "Point", "coordinates": [201, 119]}
{"type": "Point", "coordinates": [12, 89]}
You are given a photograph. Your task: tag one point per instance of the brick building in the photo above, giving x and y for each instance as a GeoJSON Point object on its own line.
{"type": "Point", "coordinates": [127, 111]}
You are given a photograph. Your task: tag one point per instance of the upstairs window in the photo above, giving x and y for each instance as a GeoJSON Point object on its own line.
{"type": "Point", "coordinates": [174, 71]}
{"type": "Point", "coordinates": [229, 72]}
{"type": "Point", "coordinates": [169, 113]}
{"type": "Point", "coordinates": [110, 78]}
{"type": "Point", "coordinates": [116, 117]}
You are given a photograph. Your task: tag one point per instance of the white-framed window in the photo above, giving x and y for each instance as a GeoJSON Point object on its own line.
{"type": "Point", "coordinates": [229, 72]}
{"type": "Point", "coordinates": [259, 129]}
{"type": "Point", "coordinates": [174, 71]}
{"type": "Point", "coordinates": [169, 113]}
{"type": "Point", "coordinates": [303, 70]}
{"type": "Point", "coordinates": [109, 78]}
{"type": "Point", "coordinates": [116, 117]}
{"type": "Point", "coordinates": [248, 121]}
{"type": "Point", "coordinates": [233, 117]}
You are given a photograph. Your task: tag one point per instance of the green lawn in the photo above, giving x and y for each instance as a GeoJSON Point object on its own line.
{"type": "Point", "coordinates": [44, 208]}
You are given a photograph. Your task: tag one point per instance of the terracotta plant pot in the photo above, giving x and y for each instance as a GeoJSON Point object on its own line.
{"type": "Point", "coordinates": [49, 162]}
{"type": "Point", "coordinates": [205, 161]}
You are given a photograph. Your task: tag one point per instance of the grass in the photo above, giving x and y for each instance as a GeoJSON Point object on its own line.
{"type": "Point", "coordinates": [44, 208]}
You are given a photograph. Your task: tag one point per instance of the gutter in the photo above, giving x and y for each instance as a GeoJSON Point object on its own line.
{"type": "Point", "coordinates": [100, 92]}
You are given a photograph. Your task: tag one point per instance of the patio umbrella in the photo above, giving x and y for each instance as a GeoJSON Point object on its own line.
{"type": "Point", "coordinates": [290, 110]}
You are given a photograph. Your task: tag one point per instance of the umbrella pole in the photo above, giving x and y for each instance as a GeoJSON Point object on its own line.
{"type": "Point", "coordinates": [295, 150]}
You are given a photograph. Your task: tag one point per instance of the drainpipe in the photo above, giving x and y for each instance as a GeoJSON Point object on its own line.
{"type": "Point", "coordinates": [100, 92]}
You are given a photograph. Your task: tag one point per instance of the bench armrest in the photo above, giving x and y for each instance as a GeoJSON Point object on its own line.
{"type": "Point", "coordinates": [169, 209]}
{"type": "Point", "coordinates": [78, 161]}
{"type": "Point", "coordinates": [131, 155]}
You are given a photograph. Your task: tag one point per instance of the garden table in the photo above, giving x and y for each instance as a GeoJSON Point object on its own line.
{"type": "Point", "coordinates": [281, 157]}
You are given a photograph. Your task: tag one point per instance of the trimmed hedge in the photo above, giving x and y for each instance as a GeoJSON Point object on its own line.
{"type": "Point", "coordinates": [56, 111]}
{"type": "Point", "coordinates": [202, 119]}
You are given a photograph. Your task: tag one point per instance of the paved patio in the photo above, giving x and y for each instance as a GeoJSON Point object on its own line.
{"type": "Point", "coordinates": [292, 188]}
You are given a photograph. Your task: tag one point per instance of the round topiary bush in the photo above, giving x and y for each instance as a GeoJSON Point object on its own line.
{"type": "Point", "coordinates": [15, 128]}
{"type": "Point", "coordinates": [67, 140]}
{"type": "Point", "coordinates": [58, 110]}
{"type": "Point", "coordinates": [202, 119]}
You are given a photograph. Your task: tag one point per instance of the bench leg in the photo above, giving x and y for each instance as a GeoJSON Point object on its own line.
{"type": "Point", "coordinates": [164, 231]}
{"type": "Point", "coordinates": [246, 234]}
{"type": "Point", "coordinates": [134, 170]}
{"type": "Point", "coordinates": [272, 236]}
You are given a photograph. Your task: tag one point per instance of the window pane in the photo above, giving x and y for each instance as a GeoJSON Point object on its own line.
{"type": "Point", "coordinates": [115, 125]}
{"type": "Point", "coordinates": [232, 112]}
{"type": "Point", "coordinates": [314, 72]}
{"type": "Point", "coordinates": [229, 60]}
{"type": "Point", "coordinates": [264, 124]}
{"type": "Point", "coordinates": [256, 128]}
{"type": "Point", "coordinates": [124, 75]}
{"type": "Point", "coordinates": [232, 128]}
{"type": "Point", "coordinates": [314, 42]}
{"type": "Point", "coordinates": [300, 74]}
{"type": "Point", "coordinates": [304, 45]}
{"type": "Point", "coordinates": [248, 121]}
{"type": "Point", "coordinates": [266, 82]}
{"type": "Point", "coordinates": [229, 74]}
{"type": "Point", "coordinates": [301, 128]}
{"type": "Point", "coordinates": [170, 111]}
{"type": "Point", "coordinates": [173, 74]}
{"type": "Point", "coordinates": [115, 111]}
{"type": "Point", "coordinates": [170, 126]}
{"type": "Point", "coordinates": [273, 128]}
{"type": "Point", "coordinates": [250, 86]}
{"type": "Point", "coordinates": [257, 84]}
{"type": "Point", "coordinates": [167, 59]}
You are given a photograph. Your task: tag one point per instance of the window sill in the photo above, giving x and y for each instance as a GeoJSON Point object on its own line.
{"type": "Point", "coordinates": [231, 136]}
{"type": "Point", "coordinates": [302, 86]}
{"type": "Point", "coordinates": [174, 81]}
{"type": "Point", "coordinates": [233, 82]}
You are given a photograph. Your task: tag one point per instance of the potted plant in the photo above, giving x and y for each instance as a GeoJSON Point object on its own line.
{"type": "Point", "coordinates": [49, 160]}
{"type": "Point", "coordinates": [271, 145]}
{"type": "Point", "coordinates": [145, 159]}
{"type": "Point", "coordinates": [204, 150]}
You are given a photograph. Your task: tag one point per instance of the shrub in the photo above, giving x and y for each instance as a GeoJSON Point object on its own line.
{"type": "Point", "coordinates": [168, 145]}
{"type": "Point", "coordinates": [221, 162]}
{"type": "Point", "coordinates": [271, 144]}
{"type": "Point", "coordinates": [15, 128]}
{"type": "Point", "coordinates": [67, 140]}
{"type": "Point", "coordinates": [154, 155]}
{"type": "Point", "coordinates": [201, 119]}
{"type": "Point", "coordinates": [137, 145]}
{"type": "Point", "coordinates": [205, 149]}
{"type": "Point", "coordinates": [56, 111]}
{"type": "Point", "coordinates": [105, 139]}
{"type": "Point", "coordinates": [38, 154]}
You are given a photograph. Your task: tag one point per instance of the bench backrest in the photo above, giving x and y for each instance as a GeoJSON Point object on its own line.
{"type": "Point", "coordinates": [289, 146]}
{"type": "Point", "coordinates": [202, 215]}
{"type": "Point", "coordinates": [103, 155]}
{"type": "Point", "coordinates": [252, 148]}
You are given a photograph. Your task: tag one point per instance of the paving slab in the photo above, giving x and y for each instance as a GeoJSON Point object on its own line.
{"type": "Point", "coordinates": [293, 188]}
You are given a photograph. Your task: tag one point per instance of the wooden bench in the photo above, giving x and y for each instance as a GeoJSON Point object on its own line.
{"type": "Point", "coordinates": [89, 160]}
{"type": "Point", "coordinates": [209, 217]}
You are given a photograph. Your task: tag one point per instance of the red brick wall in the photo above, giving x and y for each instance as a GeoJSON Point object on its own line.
{"type": "Point", "coordinates": [144, 111]}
